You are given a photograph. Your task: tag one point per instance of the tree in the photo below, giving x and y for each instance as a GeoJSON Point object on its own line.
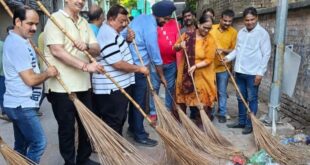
{"type": "Point", "coordinates": [129, 4]}
{"type": "Point", "coordinates": [192, 4]}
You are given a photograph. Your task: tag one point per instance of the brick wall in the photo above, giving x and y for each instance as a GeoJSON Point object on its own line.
{"type": "Point", "coordinates": [298, 35]}
{"type": "Point", "coordinates": [237, 5]}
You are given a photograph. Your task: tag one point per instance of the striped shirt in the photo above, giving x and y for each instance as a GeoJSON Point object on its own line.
{"type": "Point", "coordinates": [114, 48]}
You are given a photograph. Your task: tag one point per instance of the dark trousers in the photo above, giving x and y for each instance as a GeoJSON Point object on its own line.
{"type": "Point", "coordinates": [66, 115]}
{"type": "Point", "coordinates": [250, 93]}
{"type": "Point", "coordinates": [112, 108]}
{"type": "Point", "coordinates": [135, 118]}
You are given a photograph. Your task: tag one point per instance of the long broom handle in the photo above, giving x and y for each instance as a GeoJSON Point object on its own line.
{"type": "Point", "coordinates": [6, 7]}
{"type": "Point", "coordinates": [8, 10]}
{"type": "Point", "coordinates": [141, 60]}
{"type": "Point", "coordinates": [188, 64]}
{"type": "Point", "coordinates": [102, 70]}
{"type": "Point", "coordinates": [235, 84]}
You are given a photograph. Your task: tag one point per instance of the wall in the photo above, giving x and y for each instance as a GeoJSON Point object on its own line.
{"type": "Point", "coordinates": [237, 5]}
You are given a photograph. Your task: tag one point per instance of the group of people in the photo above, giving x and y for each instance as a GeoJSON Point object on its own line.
{"type": "Point", "coordinates": [183, 60]}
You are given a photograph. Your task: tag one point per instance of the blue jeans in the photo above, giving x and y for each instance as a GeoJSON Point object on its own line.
{"type": "Point", "coordinates": [250, 93]}
{"type": "Point", "coordinates": [135, 119]}
{"type": "Point", "coordinates": [170, 71]}
{"type": "Point", "coordinates": [28, 132]}
{"type": "Point", "coordinates": [2, 90]}
{"type": "Point", "coordinates": [222, 82]}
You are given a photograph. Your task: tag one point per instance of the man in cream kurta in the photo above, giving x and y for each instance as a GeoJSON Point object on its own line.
{"type": "Point", "coordinates": [74, 68]}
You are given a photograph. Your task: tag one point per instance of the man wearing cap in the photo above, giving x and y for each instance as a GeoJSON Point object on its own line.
{"type": "Point", "coordinates": [145, 28]}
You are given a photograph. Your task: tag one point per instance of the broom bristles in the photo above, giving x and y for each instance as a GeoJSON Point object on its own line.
{"type": "Point", "coordinates": [183, 154]}
{"type": "Point", "coordinates": [286, 155]}
{"type": "Point", "coordinates": [204, 143]}
{"type": "Point", "coordinates": [178, 143]}
{"type": "Point", "coordinates": [212, 132]}
{"type": "Point", "coordinates": [112, 148]}
{"type": "Point", "coordinates": [168, 122]}
{"type": "Point", "coordinates": [13, 157]}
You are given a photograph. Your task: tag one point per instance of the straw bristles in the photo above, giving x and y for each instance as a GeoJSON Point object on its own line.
{"type": "Point", "coordinates": [13, 157]}
{"type": "Point", "coordinates": [178, 143]}
{"type": "Point", "coordinates": [167, 122]}
{"type": "Point", "coordinates": [112, 148]}
{"type": "Point", "coordinates": [286, 155]}
{"type": "Point", "coordinates": [212, 132]}
{"type": "Point", "coordinates": [204, 143]}
{"type": "Point", "coordinates": [183, 154]}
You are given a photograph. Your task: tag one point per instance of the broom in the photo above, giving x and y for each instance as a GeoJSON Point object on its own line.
{"type": "Point", "coordinates": [208, 127]}
{"type": "Point", "coordinates": [201, 140]}
{"type": "Point", "coordinates": [111, 147]}
{"type": "Point", "coordinates": [283, 154]}
{"type": "Point", "coordinates": [12, 157]}
{"type": "Point", "coordinates": [167, 122]}
{"type": "Point", "coordinates": [183, 151]}
{"type": "Point", "coordinates": [198, 138]}
{"type": "Point", "coordinates": [165, 119]}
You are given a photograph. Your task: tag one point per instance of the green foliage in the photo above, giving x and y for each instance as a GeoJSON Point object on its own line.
{"type": "Point", "coordinates": [129, 4]}
{"type": "Point", "coordinates": [192, 4]}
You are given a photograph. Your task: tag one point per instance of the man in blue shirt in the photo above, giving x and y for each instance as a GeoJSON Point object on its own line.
{"type": "Point", "coordinates": [96, 18]}
{"type": "Point", "coordinates": [145, 28]}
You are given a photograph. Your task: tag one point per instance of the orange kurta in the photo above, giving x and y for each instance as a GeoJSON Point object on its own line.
{"type": "Point", "coordinates": [204, 77]}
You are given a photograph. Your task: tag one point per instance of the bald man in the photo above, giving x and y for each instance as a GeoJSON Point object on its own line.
{"type": "Point", "coordinates": [96, 17]}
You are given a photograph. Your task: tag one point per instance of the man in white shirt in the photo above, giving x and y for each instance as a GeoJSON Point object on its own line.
{"type": "Point", "coordinates": [23, 82]}
{"type": "Point", "coordinates": [252, 54]}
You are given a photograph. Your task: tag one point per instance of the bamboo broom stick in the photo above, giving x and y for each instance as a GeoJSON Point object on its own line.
{"type": "Point", "coordinates": [209, 128]}
{"type": "Point", "coordinates": [183, 151]}
{"type": "Point", "coordinates": [165, 119]}
{"type": "Point", "coordinates": [283, 154]}
{"type": "Point", "coordinates": [201, 140]}
{"type": "Point", "coordinates": [197, 137]}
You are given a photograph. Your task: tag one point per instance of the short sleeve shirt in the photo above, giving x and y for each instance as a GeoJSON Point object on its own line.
{"type": "Point", "coordinates": [75, 79]}
{"type": "Point", "coordinates": [18, 56]}
{"type": "Point", "coordinates": [114, 48]}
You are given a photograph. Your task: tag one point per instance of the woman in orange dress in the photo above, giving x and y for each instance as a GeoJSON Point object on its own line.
{"type": "Point", "coordinates": [200, 47]}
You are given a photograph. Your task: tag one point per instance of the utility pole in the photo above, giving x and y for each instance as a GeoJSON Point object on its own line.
{"type": "Point", "coordinates": [279, 40]}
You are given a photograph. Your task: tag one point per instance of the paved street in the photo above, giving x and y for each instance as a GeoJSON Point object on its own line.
{"type": "Point", "coordinates": [52, 155]}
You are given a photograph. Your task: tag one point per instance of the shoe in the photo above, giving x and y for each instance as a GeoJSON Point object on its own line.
{"type": "Point", "coordinates": [131, 134]}
{"type": "Point", "coordinates": [235, 125]}
{"type": "Point", "coordinates": [147, 142]}
{"type": "Point", "coordinates": [89, 162]}
{"type": "Point", "coordinates": [222, 119]}
{"type": "Point", "coordinates": [247, 130]}
{"type": "Point", "coordinates": [153, 117]}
